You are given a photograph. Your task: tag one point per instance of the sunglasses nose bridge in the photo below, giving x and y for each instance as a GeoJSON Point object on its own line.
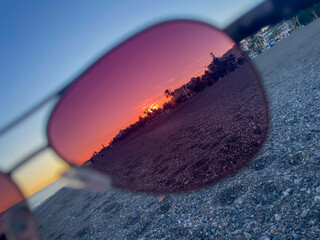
{"type": "Point", "coordinates": [85, 178]}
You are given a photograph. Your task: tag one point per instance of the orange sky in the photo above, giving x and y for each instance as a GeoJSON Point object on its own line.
{"type": "Point", "coordinates": [124, 83]}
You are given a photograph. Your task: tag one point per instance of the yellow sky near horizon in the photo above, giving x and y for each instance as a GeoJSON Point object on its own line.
{"type": "Point", "coordinates": [39, 172]}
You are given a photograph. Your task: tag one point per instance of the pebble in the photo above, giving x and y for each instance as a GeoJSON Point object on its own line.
{"type": "Point", "coordinates": [265, 237]}
{"type": "Point", "coordinates": [312, 222]}
{"type": "Point", "coordinates": [277, 217]}
{"type": "Point", "coordinates": [286, 193]}
{"type": "Point", "coordinates": [247, 235]}
{"type": "Point", "coordinates": [239, 237]}
{"type": "Point", "coordinates": [296, 181]}
{"type": "Point", "coordinates": [304, 213]}
{"type": "Point", "coordinates": [318, 189]}
{"type": "Point", "coordinates": [317, 198]}
{"type": "Point", "coordinates": [296, 236]}
{"type": "Point", "coordinates": [134, 215]}
{"type": "Point", "coordinates": [278, 183]}
{"type": "Point", "coordinates": [308, 191]}
{"type": "Point", "coordinates": [256, 230]}
{"type": "Point", "coordinates": [240, 201]}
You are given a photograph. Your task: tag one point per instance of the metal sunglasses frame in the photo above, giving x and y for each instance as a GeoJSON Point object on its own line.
{"type": "Point", "coordinates": [266, 13]}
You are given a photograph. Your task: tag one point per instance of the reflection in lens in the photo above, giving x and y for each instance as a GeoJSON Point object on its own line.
{"type": "Point", "coordinates": [174, 108]}
{"type": "Point", "coordinates": [16, 220]}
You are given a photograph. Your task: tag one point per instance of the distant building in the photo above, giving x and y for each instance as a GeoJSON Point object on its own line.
{"type": "Point", "coordinates": [285, 29]}
{"type": "Point", "coordinates": [183, 92]}
{"type": "Point", "coordinates": [259, 41]}
{"type": "Point", "coordinates": [265, 33]}
{"type": "Point", "coordinates": [235, 51]}
{"type": "Point", "coordinates": [244, 45]}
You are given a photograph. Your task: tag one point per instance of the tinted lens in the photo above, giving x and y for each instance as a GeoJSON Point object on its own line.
{"type": "Point", "coordinates": [16, 221]}
{"type": "Point", "coordinates": [176, 107]}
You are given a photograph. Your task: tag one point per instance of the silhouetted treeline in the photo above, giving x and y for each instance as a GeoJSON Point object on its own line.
{"type": "Point", "coordinates": [142, 121]}
{"type": "Point", "coordinates": [308, 15]}
{"type": "Point", "coordinates": [217, 69]}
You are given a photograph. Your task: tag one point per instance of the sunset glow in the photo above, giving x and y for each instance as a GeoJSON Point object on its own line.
{"type": "Point", "coordinates": [128, 81]}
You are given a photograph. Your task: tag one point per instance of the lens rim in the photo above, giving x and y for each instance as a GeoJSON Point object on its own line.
{"type": "Point", "coordinates": [110, 52]}
{"type": "Point", "coordinates": [23, 204]}
{"type": "Point", "coordinates": [2, 174]}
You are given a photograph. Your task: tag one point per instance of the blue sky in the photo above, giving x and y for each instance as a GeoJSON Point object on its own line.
{"type": "Point", "coordinates": [45, 44]}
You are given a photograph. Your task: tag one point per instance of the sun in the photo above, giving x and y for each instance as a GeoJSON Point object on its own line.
{"type": "Point", "coordinates": [154, 106]}
{"type": "Point", "coordinates": [151, 108]}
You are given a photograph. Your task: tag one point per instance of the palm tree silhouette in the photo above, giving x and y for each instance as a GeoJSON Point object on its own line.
{"type": "Point", "coordinates": [167, 93]}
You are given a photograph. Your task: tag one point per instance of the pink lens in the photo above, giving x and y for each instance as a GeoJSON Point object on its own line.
{"type": "Point", "coordinates": [176, 107]}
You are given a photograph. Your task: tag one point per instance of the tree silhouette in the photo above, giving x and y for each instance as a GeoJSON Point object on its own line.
{"type": "Point", "coordinates": [230, 63]}
{"type": "Point", "coordinates": [167, 93]}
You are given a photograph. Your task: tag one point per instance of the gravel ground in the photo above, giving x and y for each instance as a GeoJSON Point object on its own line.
{"type": "Point", "coordinates": [277, 196]}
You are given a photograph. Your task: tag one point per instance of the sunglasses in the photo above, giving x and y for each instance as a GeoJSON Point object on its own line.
{"type": "Point", "coordinates": [176, 107]}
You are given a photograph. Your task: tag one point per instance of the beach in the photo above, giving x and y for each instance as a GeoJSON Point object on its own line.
{"type": "Point", "coordinates": [276, 196]}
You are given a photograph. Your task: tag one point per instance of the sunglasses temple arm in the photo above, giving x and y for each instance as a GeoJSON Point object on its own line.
{"type": "Point", "coordinates": [25, 160]}
{"type": "Point", "coordinates": [31, 111]}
